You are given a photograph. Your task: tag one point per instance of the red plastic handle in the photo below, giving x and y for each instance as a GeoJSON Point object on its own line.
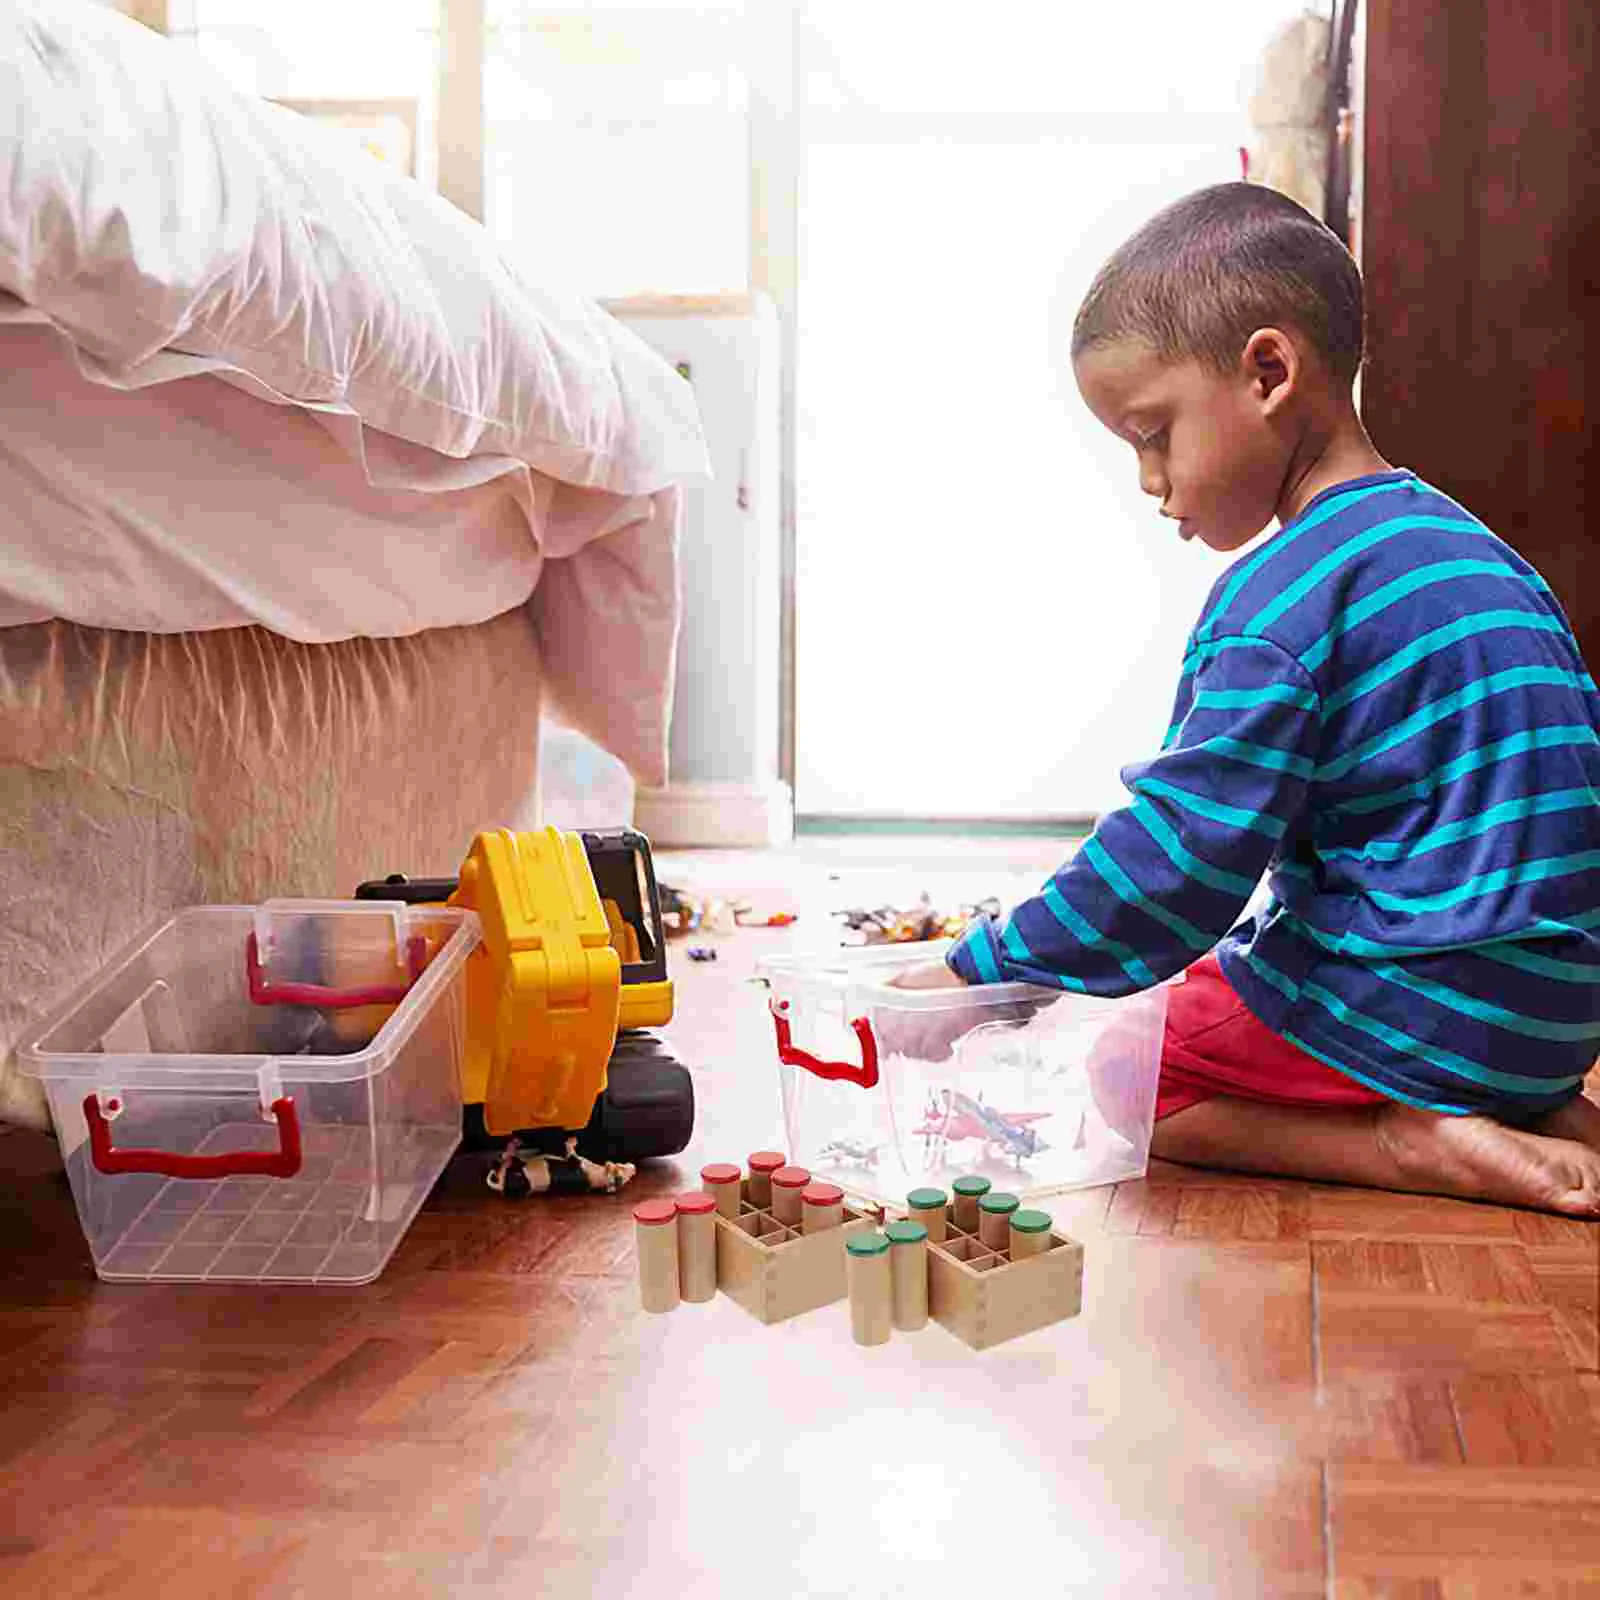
{"type": "Point", "coordinates": [263, 992]}
{"type": "Point", "coordinates": [866, 1074]}
{"type": "Point", "coordinates": [284, 1162]}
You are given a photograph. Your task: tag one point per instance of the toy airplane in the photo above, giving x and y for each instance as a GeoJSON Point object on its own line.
{"type": "Point", "coordinates": [960, 1117]}
{"type": "Point", "coordinates": [851, 1152]}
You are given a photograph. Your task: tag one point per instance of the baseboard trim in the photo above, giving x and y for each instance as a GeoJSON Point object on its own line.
{"type": "Point", "coordinates": [816, 825]}
{"type": "Point", "coordinates": [716, 815]}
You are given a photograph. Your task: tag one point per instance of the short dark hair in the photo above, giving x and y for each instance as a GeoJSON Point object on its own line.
{"type": "Point", "coordinates": [1201, 276]}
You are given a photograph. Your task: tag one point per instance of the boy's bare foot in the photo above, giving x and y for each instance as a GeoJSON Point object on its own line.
{"type": "Point", "coordinates": [1578, 1119]}
{"type": "Point", "coordinates": [1394, 1147]}
{"type": "Point", "coordinates": [1480, 1159]}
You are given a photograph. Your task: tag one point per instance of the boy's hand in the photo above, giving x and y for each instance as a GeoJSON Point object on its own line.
{"type": "Point", "coordinates": [932, 1034]}
{"type": "Point", "coordinates": [928, 975]}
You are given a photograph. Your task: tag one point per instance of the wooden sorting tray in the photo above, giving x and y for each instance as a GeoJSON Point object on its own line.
{"type": "Point", "coordinates": [984, 1298]}
{"type": "Point", "coordinates": [776, 1272]}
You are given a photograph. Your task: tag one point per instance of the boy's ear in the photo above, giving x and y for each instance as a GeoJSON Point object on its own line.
{"type": "Point", "coordinates": [1272, 365]}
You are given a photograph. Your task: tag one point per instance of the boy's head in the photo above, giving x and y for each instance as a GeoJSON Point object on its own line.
{"type": "Point", "coordinates": [1211, 340]}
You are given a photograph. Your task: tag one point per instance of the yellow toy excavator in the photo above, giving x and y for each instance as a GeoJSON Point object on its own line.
{"type": "Point", "coordinates": [572, 968]}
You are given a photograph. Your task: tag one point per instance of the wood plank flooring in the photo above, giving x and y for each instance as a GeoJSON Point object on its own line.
{"type": "Point", "coordinates": [1274, 1389]}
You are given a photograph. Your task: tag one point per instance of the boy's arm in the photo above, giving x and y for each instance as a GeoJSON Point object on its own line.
{"type": "Point", "coordinates": [1164, 878]}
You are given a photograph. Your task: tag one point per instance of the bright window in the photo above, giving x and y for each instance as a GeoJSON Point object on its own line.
{"type": "Point", "coordinates": [989, 615]}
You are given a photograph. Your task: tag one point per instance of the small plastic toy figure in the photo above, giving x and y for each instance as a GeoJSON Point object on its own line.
{"type": "Point", "coordinates": [909, 925]}
{"type": "Point", "coordinates": [682, 912]}
{"type": "Point", "coordinates": [516, 1176]}
{"type": "Point", "coordinates": [702, 952]}
{"type": "Point", "coordinates": [747, 916]}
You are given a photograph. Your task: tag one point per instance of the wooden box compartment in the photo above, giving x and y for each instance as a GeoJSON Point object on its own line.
{"type": "Point", "coordinates": [984, 1298]}
{"type": "Point", "coordinates": [776, 1272]}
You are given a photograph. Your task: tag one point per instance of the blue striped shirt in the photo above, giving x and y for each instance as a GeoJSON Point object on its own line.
{"type": "Point", "coordinates": [1384, 710]}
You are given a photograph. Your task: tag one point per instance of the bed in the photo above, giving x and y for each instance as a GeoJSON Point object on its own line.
{"type": "Point", "coordinates": [310, 506]}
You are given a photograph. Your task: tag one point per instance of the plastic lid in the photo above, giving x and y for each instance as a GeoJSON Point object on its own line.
{"type": "Point", "coordinates": [999, 1204]}
{"type": "Point", "coordinates": [652, 1213]}
{"type": "Point", "coordinates": [926, 1199]}
{"type": "Point", "coordinates": [906, 1232]}
{"type": "Point", "coordinates": [695, 1203]}
{"type": "Point", "coordinates": [822, 1194]}
{"type": "Point", "coordinates": [720, 1172]}
{"type": "Point", "coordinates": [1031, 1221]}
{"type": "Point", "coordinates": [866, 1244]}
{"type": "Point", "coordinates": [767, 1160]}
{"type": "Point", "coordinates": [971, 1186]}
{"type": "Point", "coordinates": [791, 1177]}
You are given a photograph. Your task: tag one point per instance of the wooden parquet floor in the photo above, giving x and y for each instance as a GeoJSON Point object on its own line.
{"type": "Point", "coordinates": [1274, 1389]}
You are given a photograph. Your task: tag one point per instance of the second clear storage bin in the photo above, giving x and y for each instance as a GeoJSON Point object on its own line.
{"type": "Point", "coordinates": [887, 1089]}
{"type": "Point", "coordinates": [261, 1093]}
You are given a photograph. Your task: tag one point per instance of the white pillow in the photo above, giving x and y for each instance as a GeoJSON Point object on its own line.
{"type": "Point", "coordinates": [147, 207]}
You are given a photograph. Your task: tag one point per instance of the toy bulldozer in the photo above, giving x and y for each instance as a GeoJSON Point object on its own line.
{"type": "Point", "coordinates": [571, 974]}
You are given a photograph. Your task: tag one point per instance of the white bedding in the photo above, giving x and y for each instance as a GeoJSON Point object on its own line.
{"type": "Point", "coordinates": [147, 208]}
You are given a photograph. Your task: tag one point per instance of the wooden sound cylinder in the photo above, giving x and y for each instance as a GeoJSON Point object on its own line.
{"type": "Point", "coordinates": [762, 1164]}
{"type": "Point", "coordinates": [994, 1219]}
{"type": "Point", "coordinates": [968, 1192]}
{"type": "Point", "coordinates": [721, 1181]}
{"type": "Point", "coordinates": [927, 1206]}
{"type": "Point", "coordinates": [867, 1275]}
{"type": "Point", "coordinates": [908, 1275]}
{"type": "Point", "coordinates": [697, 1246]}
{"type": "Point", "coordinates": [1030, 1234]}
{"type": "Point", "coordinates": [821, 1207]}
{"type": "Point", "coordinates": [655, 1232]}
{"type": "Point", "coordinates": [787, 1182]}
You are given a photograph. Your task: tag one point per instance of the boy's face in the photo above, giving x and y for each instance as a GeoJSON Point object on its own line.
{"type": "Point", "coordinates": [1207, 445]}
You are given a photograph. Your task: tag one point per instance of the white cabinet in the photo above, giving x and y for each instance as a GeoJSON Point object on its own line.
{"type": "Point", "coordinates": [723, 786]}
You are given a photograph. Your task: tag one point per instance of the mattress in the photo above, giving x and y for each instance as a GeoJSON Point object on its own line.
{"type": "Point", "coordinates": [142, 772]}
{"type": "Point", "coordinates": [190, 504]}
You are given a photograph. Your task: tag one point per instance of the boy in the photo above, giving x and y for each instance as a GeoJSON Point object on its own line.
{"type": "Point", "coordinates": [1382, 707]}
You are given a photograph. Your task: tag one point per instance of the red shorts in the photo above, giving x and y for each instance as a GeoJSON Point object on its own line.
{"type": "Point", "coordinates": [1214, 1045]}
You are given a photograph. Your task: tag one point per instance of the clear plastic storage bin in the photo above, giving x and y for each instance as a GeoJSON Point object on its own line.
{"type": "Point", "coordinates": [886, 1090]}
{"type": "Point", "coordinates": [261, 1093]}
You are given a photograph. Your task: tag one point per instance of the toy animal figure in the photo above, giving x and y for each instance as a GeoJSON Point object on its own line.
{"type": "Point", "coordinates": [517, 1176]}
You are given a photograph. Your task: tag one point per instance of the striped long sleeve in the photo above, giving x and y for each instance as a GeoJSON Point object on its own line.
{"type": "Point", "coordinates": [1384, 709]}
{"type": "Point", "coordinates": [1166, 876]}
